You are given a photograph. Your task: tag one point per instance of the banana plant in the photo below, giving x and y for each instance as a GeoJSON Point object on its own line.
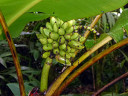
{"type": "Point", "coordinates": [61, 35]}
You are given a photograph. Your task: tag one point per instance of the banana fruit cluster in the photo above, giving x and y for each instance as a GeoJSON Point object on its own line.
{"type": "Point", "coordinates": [60, 40]}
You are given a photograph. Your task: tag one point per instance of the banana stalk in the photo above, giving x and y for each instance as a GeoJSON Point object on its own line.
{"type": "Point", "coordinates": [44, 75]}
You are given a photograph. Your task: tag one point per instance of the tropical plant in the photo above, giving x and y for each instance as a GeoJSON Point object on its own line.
{"type": "Point", "coordinates": [66, 10]}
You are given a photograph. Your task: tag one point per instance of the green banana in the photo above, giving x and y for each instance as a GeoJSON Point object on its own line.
{"type": "Point", "coordinates": [46, 55]}
{"type": "Point", "coordinates": [46, 32]}
{"type": "Point", "coordinates": [71, 23]}
{"type": "Point", "coordinates": [52, 20]}
{"type": "Point", "coordinates": [67, 36]}
{"type": "Point", "coordinates": [62, 53]}
{"type": "Point", "coordinates": [72, 54]}
{"type": "Point", "coordinates": [61, 31]}
{"type": "Point", "coordinates": [43, 40]}
{"type": "Point", "coordinates": [47, 47]}
{"type": "Point", "coordinates": [54, 35]}
{"type": "Point", "coordinates": [39, 36]}
{"type": "Point", "coordinates": [62, 47]}
{"type": "Point", "coordinates": [56, 51]}
{"type": "Point", "coordinates": [48, 60]}
{"type": "Point", "coordinates": [49, 26]}
{"type": "Point", "coordinates": [65, 25]}
{"type": "Point", "coordinates": [80, 46]}
{"type": "Point", "coordinates": [73, 43]}
{"type": "Point", "coordinates": [76, 27]}
{"type": "Point", "coordinates": [61, 39]}
{"type": "Point", "coordinates": [69, 30]}
{"type": "Point", "coordinates": [59, 22]}
{"type": "Point", "coordinates": [68, 49]}
{"type": "Point", "coordinates": [55, 44]}
{"type": "Point", "coordinates": [42, 32]}
{"type": "Point", "coordinates": [62, 60]}
{"type": "Point", "coordinates": [55, 27]}
{"type": "Point", "coordinates": [50, 40]}
{"type": "Point", "coordinates": [74, 36]}
{"type": "Point", "coordinates": [82, 39]}
{"type": "Point", "coordinates": [68, 56]}
{"type": "Point", "coordinates": [72, 50]}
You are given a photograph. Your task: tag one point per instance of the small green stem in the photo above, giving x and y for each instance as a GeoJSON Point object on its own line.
{"type": "Point", "coordinates": [44, 76]}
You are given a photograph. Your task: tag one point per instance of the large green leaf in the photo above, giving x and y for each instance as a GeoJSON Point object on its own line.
{"type": "Point", "coordinates": [74, 9]}
{"type": "Point", "coordinates": [64, 9]}
{"type": "Point", "coordinates": [122, 23]}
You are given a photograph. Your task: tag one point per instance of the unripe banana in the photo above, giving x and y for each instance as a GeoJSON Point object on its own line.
{"type": "Point", "coordinates": [62, 47]}
{"type": "Point", "coordinates": [52, 20]}
{"type": "Point", "coordinates": [61, 31]}
{"type": "Point", "coordinates": [43, 40]}
{"type": "Point", "coordinates": [61, 22]}
{"type": "Point", "coordinates": [68, 56]}
{"type": "Point", "coordinates": [55, 44]}
{"type": "Point", "coordinates": [50, 40]}
{"type": "Point", "coordinates": [82, 39]}
{"type": "Point", "coordinates": [80, 46]}
{"type": "Point", "coordinates": [55, 27]}
{"type": "Point", "coordinates": [69, 30]}
{"type": "Point", "coordinates": [54, 35]}
{"type": "Point", "coordinates": [72, 50]}
{"type": "Point", "coordinates": [68, 49]}
{"type": "Point", "coordinates": [48, 60]}
{"type": "Point", "coordinates": [58, 22]}
{"type": "Point", "coordinates": [65, 25]}
{"type": "Point", "coordinates": [47, 47]}
{"type": "Point", "coordinates": [42, 32]}
{"type": "Point", "coordinates": [71, 23]}
{"type": "Point", "coordinates": [72, 54]}
{"type": "Point", "coordinates": [46, 55]}
{"type": "Point", "coordinates": [67, 36]}
{"type": "Point", "coordinates": [73, 44]}
{"type": "Point", "coordinates": [56, 51]}
{"type": "Point", "coordinates": [62, 53]}
{"type": "Point", "coordinates": [61, 40]}
{"type": "Point", "coordinates": [64, 61]}
{"type": "Point", "coordinates": [39, 36]}
{"type": "Point", "coordinates": [49, 26]}
{"type": "Point", "coordinates": [76, 27]}
{"type": "Point", "coordinates": [46, 32]}
{"type": "Point", "coordinates": [74, 36]}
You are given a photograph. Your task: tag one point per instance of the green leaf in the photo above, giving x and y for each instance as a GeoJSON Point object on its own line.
{"type": "Point", "coordinates": [70, 9]}
{"type": "Point", "coordinates": [3, 62]}
{"type": "Point", "coordinates": [117, 31]}
{"type": "Point", "coordinates": [111, 19]}
{"type": "Point", "coordinates": [14, 87]}
{"type": "Point", "coordinates": [13, 10]}
{"type": "Point", "coordinates": [104, 21]}
{"type": "Point", "coordinates": [89, 43]}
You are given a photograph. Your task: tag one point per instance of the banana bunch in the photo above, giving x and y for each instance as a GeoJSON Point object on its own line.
{"type": "Point", "coordinates": [60, 40]}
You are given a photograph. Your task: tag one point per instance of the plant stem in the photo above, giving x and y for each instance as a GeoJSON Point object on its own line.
{"type": "Point", "coordinates": [60, 79]}
{"type": "Point", "coordinates": [88, 64]}
{"type": "Point", "coordinates": [14, 55]}
{"type": "Point", "coordinates": [92, 25]}
{"type": "Point", "coordinates": [44, 76]}
{"type": "Point", "coordinates": [110, 84]}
